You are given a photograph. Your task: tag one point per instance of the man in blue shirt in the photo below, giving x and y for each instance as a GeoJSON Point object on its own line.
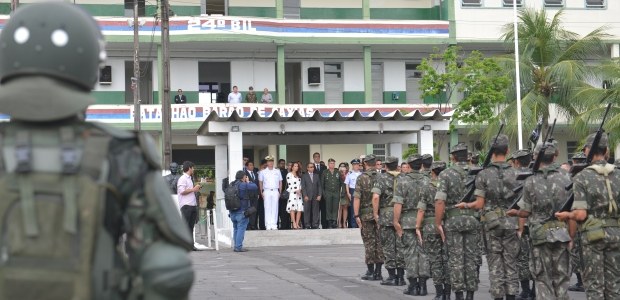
{"type": "Point", "coordinates": [247, 190]}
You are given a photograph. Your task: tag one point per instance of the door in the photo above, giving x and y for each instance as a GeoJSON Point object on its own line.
{"type": "Point", "coordinates": [413, 83]}
{"type": "Point", "coordinates": [377, 83]}
{"type": "Point", "coordinates": [293, 83]}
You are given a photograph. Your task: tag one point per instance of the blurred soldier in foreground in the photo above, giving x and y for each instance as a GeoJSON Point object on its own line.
{"type": "Point", "coordinates": [70, 189]}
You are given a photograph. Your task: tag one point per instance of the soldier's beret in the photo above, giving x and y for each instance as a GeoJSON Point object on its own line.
{"type": "Point", "coordinates": [427, 156]}
{"type": "Point", "coordinates": [370, 158]}
{"type": "Point", "coordinates": [604, 143]}
{"type": "Point", "coordinates": [551, 148]}
{"type": "Point", "coordinates": [355, 161]}
{"type": "Point", "coordinates": [413, 158]}
{"type": "Point", "coordinates": [391, 159]}
{"type": "Point", "coordinates": [438, 165]}
{"type": "Point", "coordinates": [502, 141]}
{"type": "Point", "coordinates": [520, 153]}
{"type": "Point", "coordinates": [579, 155]}
{"type": "Point", "coordinates": [458, 147]}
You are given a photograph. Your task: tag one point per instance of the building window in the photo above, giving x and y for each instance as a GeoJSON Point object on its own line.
{"type": "Point", "coordinates": [334, 69]}
{"type": "Point", "coordinates": [595, 3]}
{"type": "Point", "coordinates": [129, 8]}
{"type": "Point", "coordinates": [379, 151]}
{"type": "Point", "coordinates": [554, 3]}
{"type": "Point", "coordinates": [571, 149]}
{"type": "Point", "coordinates": [471, 3]}
{"type": "Point", "coordinates": [411, 71]}
{"type": "Point", "coordinates": [509, 3]}
{"type": "Point", "coordinates": [216, 7]}
{"type": "Point", "coordinates": [292, 9]}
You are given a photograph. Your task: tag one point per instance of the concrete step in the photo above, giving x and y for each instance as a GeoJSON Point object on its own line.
{"type": "Point", "coordinates": [302, 237]}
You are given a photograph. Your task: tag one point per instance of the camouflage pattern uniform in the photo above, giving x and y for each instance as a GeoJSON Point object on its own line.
{"type": "Point", "coordinates": [543, 192]}
{"type": "Point", "coordinates": [370, 229]}
{"type": "Point", "coordinates": [461, 227]}
{"type": "Point", "coordinates": [575, 253]}
{"type": "Point", "coordinates": [600, 234]}
{"type": "Point", "coordinates": [523, 260]}
{"type": "Point", "coordinates": [410, 190]}
{"type": "Point", "coordinates": [495, 184]}
{"type": "Point", "coordinates": [434, 246]}
{"type": "Point", "coordinates": [332, 183]}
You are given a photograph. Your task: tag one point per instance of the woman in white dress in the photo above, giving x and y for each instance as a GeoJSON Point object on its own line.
{"type": "Point", "coordinates": [295, 204]}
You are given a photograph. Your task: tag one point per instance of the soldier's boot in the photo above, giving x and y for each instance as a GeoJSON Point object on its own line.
{"type": "Point", "coordinates": [458, 296]}
{"type": "Point", "coordinates": [400, 277]}
{"type": "Point", "coordinates": [377, 275]}
{"type": "Point", "coordinates": [370, 273]}
{"type": "Point", "coordinates": [533, 292]}
{"type": "Point", "coordinates": [525, 291]}
{"type": "Point", "coordinates": [439, 292]}
{"type": "Point", "coordinates": [391, 280]}
{"type": "Point", "coordinates": [470, 295]}
{"type": "Point", "coordinates": [577, 287]}
{"type": "Point", "coordinates": [510, 297]}
{"type": "Point", "coordinates": [446, 292]}
{"type": "Point", "coordinates": [410, 290]}
{"type": "Point", "coordinates": [423, 288]}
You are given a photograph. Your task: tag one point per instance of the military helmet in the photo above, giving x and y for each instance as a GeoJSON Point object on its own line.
{"type": "Point", "coordinates": [47, 44]}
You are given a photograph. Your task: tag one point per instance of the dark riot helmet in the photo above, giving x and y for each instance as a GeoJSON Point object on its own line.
{"type": "Point", "coordinates": [51, 46]}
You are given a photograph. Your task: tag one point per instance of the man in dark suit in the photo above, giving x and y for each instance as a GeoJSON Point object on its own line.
{"type": "Point", "coordinates": [252, 177]}
{"type": "Point", "coordinates": [180, 98]}
{"type": "Point", "coordinates": [319, 167]}
{"type": "Point", "coordinates": [285, 218]}
{"type": "Point", "coordinates": [311, 191]}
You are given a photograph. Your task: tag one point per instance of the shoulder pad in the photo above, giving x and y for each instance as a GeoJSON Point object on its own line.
{"type": "Point", "coordinates": [114, 132]}
{"type": "Point", "coordinates": [149, 149]}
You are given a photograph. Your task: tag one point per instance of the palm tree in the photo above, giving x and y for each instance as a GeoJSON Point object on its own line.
{"type": "Point", "coordinates": [594, 97]}
{"type": "Point", "coordinates": [552, 66]}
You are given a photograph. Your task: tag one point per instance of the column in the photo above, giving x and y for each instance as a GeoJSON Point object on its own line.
{"type": "Point", "coordinates": [235, 153]}
{"type": "Point", "coordinates": [394, 82]}
{"type": "Point", "coordinates": [160, 75]}
{"type": "Point", "coordinates": [425, 142]}
{"type": "Point", "coordinates": [353, 78]}
{"type": "Point", "coordinates": [451, 21]}
{"type": "Point", "coordinates": [396, 150]}
{"type": "Point", "coordinates": [367, 75]}
{"type": "Point", "coordinates": [222, 219]}
{"type": "Point", "coordinates": [280, 9]}
{"type": "Point", "coordinates": [281, 86]}
{"type": "Point", "coordinates": [366, 9]}
{"type": "Point", "coordinates": [282, 152]}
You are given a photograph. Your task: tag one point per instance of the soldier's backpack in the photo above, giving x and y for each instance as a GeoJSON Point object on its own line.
{"type": "Point", "coordinates": [231, 197]}
{"type": "Point", "coordinates": [53, 244]}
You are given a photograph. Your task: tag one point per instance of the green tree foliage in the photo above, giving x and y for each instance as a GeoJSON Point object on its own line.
{"type": "Point", "coordinates": [481, 81]}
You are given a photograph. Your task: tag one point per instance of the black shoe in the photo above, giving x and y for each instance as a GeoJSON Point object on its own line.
{"type": "Point", "coordinates": [369, 273]}
{"type": "Point", "coordinates": [377, 275]}
{"type": "Point", "coordinates": [438, 292]}
{"type": "Point", "coordinates": [470, 295]}
{"type": "Point", "coordinates": [391, 280]}
{"type": "Point", "coordinates": [525, 291]}
{"type": "Point", "coordinates": [195, 249]}
{"type": "Point", "coordinates": [241, 250]}
{"type": "Point", "coordinates": [458, 296]}
{"type": "Point", "coordinates": [410, 290]}
{"type": "Point", "coordinates": [510, 297]}
{"type": "Point", "coordinates": [400, 277]}
{"type": "Point", "coordinates": [447, 289]}
{"type": "Point", "coordinates": [423, 288]}
{"type": "Point", "coordinates": [577, 288]}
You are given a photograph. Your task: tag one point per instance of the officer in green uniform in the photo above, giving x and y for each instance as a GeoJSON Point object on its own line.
{"type": "Point", "coordinates": [383, 212]}
{"type": "Point", "coordinates": [77, 185]}
{"type": "Point", "coordinates": [332, 183]}
{"type": "Point", "coordinates": [362, 209]}
{"type": "Point", "coordinates": [575, 251]}
{"type": "Point", "coordinates": [410, 190]}
{"type": "Point", "coordinates": [597, 190]}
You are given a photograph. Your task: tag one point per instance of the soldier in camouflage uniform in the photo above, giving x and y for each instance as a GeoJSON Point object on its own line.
{"type": "Point", "coordinates": [411, 189]}
{"type": "Point", "coordinates": [460, 228]}
{"type": "Point", "coordinates": [363, 216]}
{"type": "Point", "coordinates": [383, 212]}
{"type": "Point", "coordinates": [434, 246]}
{"type": "Point", "coordinates": [520, 160]}
{"type": "Point", "coordinates": [543, 192]}
{"type": "Point", "coordinates": [597, 191]}
{"type": "Point", "coordinates": [575, 251]}
{"type": "Point", "coordinates": [493, 193]}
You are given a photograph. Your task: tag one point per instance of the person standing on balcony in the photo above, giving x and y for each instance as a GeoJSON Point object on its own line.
{"type": "Point", "coordinates": [266, 97]}
{"type": "Point", "coordinates": [250, 97]}
{"type": "Point", "coordinates": [180, 98]}
{"type": "Point", "coordinates": [235, 96]}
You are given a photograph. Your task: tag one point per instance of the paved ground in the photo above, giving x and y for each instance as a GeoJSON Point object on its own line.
{"type": "Point", "coordinates": [300, 273]}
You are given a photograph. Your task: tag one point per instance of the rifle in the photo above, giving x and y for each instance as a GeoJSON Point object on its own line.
{"type": "Point", "coordinates": [474, 171]}
{"type": "Point", "coordinates": [533, 169]}
{"type": "Point", "coordinates": [575, 169]}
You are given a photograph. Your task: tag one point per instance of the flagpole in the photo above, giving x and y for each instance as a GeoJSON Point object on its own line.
{"type": "Point", "coordinates": [517, 75]}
